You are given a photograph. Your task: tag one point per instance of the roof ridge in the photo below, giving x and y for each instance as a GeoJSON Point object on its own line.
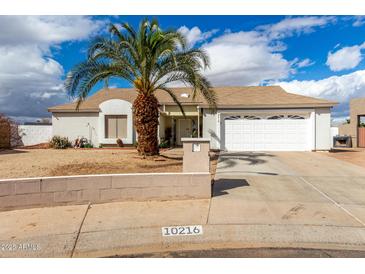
{"type": "Point", "coordinates": [243, 96]}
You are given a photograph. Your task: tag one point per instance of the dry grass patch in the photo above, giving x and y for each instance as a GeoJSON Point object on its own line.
{"type": "Point", "coordinates": [135, 165]}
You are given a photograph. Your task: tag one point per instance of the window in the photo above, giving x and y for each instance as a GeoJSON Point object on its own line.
{"type": "Point", "coordinates": [295, 117]}
{"type": "Point", "coordinates": [251, 117]}
{"type": "Point", "coordinates": [115, 126]}
{"type": "Point", "coordinates": [275, 117]}
{"type": "Point", "coordinates": [233, 117]}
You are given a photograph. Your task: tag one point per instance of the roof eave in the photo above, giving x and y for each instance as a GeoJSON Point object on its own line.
{"type": "Point", "coordinates": [182, 103]}
{"type": "Point", "coordinates": [331, 104]}
{"type": "Point", "coordinates": [74, 110]}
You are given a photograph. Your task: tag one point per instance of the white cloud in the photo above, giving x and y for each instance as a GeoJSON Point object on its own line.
{"type": "Point", "coordinates": [30, 79]}
{"type": "Point", "coordinates": [46, 30]}
{"type": "Point", "coordinates": [345, 58]}
{"type": "Point", "coordinates": [253, 57]}
{"type": "Point", "coordinates": [305, 63]}
{"type": "Point", "coordinates": [244, 58]}
{"type": "Point", "coordinates": [296, 25]}
{"type": "Point", "coordinates": [359, 21]}
{"type": "Point", "coordinates": [337, 88]}
{"type": "Point", "coordinates": [195, 35]}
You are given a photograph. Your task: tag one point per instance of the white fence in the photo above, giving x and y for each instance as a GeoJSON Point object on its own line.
{"type": "Point", "coordinates": [35, 134]}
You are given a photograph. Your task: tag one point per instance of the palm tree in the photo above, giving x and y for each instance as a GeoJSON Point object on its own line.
{"type": "Point", "coordinates": [149, 59]}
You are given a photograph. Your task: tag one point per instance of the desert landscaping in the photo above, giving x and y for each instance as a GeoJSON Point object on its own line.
{"type": "Point", "coordinates": [26, 163]}
{"type": "Point", "coordinates": [352, 155]}
{"type": "Point", "coordinates": [21, 163]}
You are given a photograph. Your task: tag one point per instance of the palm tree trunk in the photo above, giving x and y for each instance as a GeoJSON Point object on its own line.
{"type": "Point", "coordinates": [145, 113]}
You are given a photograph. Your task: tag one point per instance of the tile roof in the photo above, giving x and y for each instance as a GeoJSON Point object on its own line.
{"type": "Point", "coordinates": [228, 97]}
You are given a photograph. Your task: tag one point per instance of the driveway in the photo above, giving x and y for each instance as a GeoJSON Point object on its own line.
{"type": "Point", "coordinates": [287, 188]}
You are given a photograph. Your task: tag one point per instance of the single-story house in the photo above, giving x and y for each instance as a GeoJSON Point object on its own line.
{"type": "Point", "coordinates": [260, 118]}
{"type": "Point", "coordinates": [356, 128]}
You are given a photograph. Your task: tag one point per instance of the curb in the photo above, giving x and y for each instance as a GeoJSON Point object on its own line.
{"type": "Point", "coordinates": [132, 241]}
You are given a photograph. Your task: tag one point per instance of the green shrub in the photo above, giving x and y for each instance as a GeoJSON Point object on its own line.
{"type": "Point", "coordinates": [164, 144]}
{"type": "Point", "coordinates": [88, 145]}
{"type": "Point", "coordinates": [59, 142]}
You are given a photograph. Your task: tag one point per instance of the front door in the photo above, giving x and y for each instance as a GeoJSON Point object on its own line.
{"type": "Point", "coordinates": [184, 129]}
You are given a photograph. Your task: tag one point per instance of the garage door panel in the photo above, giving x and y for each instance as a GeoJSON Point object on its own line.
{"type": "Point", "coordinates": [267, 135]}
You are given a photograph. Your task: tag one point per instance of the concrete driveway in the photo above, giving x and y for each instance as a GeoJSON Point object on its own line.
{"type": "Point", "coordinates": [287, 188]}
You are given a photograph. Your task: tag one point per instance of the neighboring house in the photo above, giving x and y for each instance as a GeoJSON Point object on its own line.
{"type": "Point", "coordinates": [356, 127]}
{"type": "Point", "coordinates": [262, 118]}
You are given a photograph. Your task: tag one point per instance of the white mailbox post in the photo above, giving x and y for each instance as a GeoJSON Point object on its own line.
{"type": "Point", "coordinates": [196, 154]}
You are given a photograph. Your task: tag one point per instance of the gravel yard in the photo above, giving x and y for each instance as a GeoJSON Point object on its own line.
{"type": "Point", "coordinates": [21, 163]}
{"type": "Point", "coordinates": [354, 156]}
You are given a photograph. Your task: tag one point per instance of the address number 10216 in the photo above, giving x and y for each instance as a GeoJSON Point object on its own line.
{"type": "Point", "coordinates": [182, 230]}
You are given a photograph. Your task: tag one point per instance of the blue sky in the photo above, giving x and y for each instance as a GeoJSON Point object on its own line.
{"type": "Point", "coordinates": [319, 56]}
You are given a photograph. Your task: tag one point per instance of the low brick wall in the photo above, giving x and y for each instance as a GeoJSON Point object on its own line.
{"type": "Point", "coordinates": [52, 191]}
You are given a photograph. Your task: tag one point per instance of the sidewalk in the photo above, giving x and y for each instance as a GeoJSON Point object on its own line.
{"type": "Point", "coordinates": [135, 227]}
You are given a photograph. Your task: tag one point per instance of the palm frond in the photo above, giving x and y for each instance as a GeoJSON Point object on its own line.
{"type": "Point", "coordinates": [148, 57]}
{"type": "Point", "coordinates": [83, 77]}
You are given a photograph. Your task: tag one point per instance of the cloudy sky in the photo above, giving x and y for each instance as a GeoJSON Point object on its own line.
{"type": "Point", "coordinates": [320, 56]}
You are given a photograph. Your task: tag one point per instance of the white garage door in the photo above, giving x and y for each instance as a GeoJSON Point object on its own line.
{"type": "Point", "coordinates": [267, 132]}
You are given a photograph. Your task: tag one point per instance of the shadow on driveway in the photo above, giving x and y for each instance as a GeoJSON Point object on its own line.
{"type": "Point", "coordinates": [252, 158]}
{"type": "Point", "coordinates": [221, 186]}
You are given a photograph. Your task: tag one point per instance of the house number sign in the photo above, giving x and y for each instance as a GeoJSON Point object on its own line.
{"type": "Point", "coordinates": [196, 147]}
{"type": "Point", "coordinates": [188, 230]}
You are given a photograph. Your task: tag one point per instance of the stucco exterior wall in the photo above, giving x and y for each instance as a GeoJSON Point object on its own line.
{"type": "Point", "coordinates": [164, 123]}
{"type": "Point", "coordinates": [175, 110]}
{"type": "Point", "coordinates": [196, 155]}
{"type": "Point", "coordinates": [161, 127]}
{"type": "Point", "coordinates": [323, 129]}
{"type": "Point", "coordinates": [210, 122]}
{"type": "Point", "coordinates": [115, 107]}
{"type": "Point", "coordinates": [345, 129]}
{"type": "Point", "coordinates": [73, 125]}
{"type": "Point", "coordinates": [357, 107]}
{"type": "Point", "coordinates": [35, 134]}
